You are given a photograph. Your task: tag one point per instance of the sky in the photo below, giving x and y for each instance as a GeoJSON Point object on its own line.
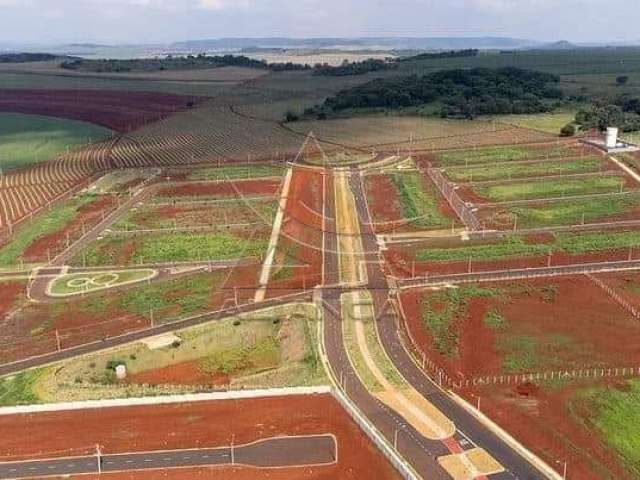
{"type": "Point", "coordinates": [164, 21]}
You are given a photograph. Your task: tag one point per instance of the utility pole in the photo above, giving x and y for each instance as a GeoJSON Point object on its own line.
{"type": "Point", "coordinates": [58, 342]}
{"type": "Point", "coordinates": [99, 458]}
{"type": "Point", "coordinates": [233, 451]}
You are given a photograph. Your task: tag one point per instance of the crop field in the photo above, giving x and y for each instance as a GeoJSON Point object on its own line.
{"type": "Point", "coordinates": [407, 201]}
{"type": "Point", "coordinates": [212, 190]}
{"type": "Point", "coordinates": [119, 111]}
{"type": "Point", "coordinates": [32, 330]}
{"type": "Point", "coordinates": [500, 171]}
{"type": "Point", "coordinates": [29, 139]}
{"type": "Point", "coordinates": [39, 239]}
{"type": "Point", "coordinates": [235, 172]}
{"type": "Point", "coordinates": [514, 251]}
{"type": "Point", "coordinates": [419, 133]}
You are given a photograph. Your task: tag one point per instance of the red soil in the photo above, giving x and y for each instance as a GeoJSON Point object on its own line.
{"type": "Point", "coordinates": [10, 292]}
{"type": "Point", "coordinates": [198, 424]}
{"type": "Point", "coordinates": [300, 241]}
{"type": "Point", "coordinates": [55, 242]}
{"type": "Point", "coordinates": [118, 110]}
{"type": "Point", "coordinates": [597, 330]}
{"type": "Point", "coordinates": [382, 196]}
{"type": "Point", "coordinates": [185, 373]}
{"type": "Point", "coordinates": [244, 187]}
{"type": "Point", "coordinates": [554, 425]}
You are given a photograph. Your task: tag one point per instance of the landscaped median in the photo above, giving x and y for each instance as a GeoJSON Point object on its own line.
{"type": "Point", "coordinates": [70, 284]}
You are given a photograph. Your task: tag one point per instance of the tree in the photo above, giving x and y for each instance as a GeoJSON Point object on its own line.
{"type": "Point", "coordinates": [569, 130]}
{"type": "Point", "coordinates": [622, 80]}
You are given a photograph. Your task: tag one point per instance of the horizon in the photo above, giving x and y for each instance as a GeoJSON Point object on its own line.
{"type": "Point", "coordinates": [140, 22]}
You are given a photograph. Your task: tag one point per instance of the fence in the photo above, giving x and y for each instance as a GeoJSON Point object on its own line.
{"type": "Point", "coordinates": [615, 296]}
{"type": "Point", "coordinates": [456, 203]}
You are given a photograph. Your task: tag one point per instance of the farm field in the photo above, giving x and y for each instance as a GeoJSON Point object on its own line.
{"type": "Point", "coordinates": [187, 425]}
{"type": "Point", "coordinates": [235, 172]}
{"type": "Point", "coordinates": [266, 349]}
{"type": "Point", "coordinates": [544, 122]}
{"type": "Point", "coordinates": [204, 190]}
{"type": "Point", "coordinates": [119, 111]}
{"type": "Point", "coordinates": [29, 139]}
{"type": "Point", "coordinates": [420, 133]}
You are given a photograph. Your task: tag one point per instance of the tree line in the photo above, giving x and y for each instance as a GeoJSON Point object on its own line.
{"type": "Point", "coordinates": [458, 93]}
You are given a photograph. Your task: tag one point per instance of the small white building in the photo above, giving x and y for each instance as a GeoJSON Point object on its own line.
{"type": "Point", "coordinates": [611, 143]}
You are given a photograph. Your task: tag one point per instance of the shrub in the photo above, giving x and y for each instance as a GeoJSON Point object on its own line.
{"type": "Point", "coordinates": [569, 130]}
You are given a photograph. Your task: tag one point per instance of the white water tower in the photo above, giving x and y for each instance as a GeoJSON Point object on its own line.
{"type": "Point", "coordinates": [121, 372]}
{"type": "Point", "coordinates": [611, 140]}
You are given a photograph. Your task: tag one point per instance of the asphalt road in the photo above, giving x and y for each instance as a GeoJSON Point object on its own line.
{"type": "Point", "coordinates": [470, 429]}
{"type": "Point", "coordinates": [267, 453]}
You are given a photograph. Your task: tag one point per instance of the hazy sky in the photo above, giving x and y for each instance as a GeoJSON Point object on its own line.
{"type": "Point", "coordinates": [116, 21]}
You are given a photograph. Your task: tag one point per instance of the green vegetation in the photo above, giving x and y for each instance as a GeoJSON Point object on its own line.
{"type": "Point", "coordinates": [236, 172]}
{"type": "Point", "coordinates": [418, 203]}
{"type": "Point", "coordinates": [24, 57]}
{"type": "Point", "coordinates": [49, 222]}
{"type": "Point", "coordinates": [357, 309]}
{"type": "Point", "coordinates": [510, 247]}
{"type": "Point", "coordinates": [573, 211]}
{"type": "Point", "coordinates": [494, 320]}
{"type": "Point", "coordinates": [19, 389]}
{"type": "Point", "coordinates": [616, 414]}
{"type": "Point", "coordinates": [499, 154]}
{"type": "Point", "coordinates": [500, 171]}
{"type": "Point", "coordinates": [515, 247]}
{"type": "Point", "coordinates": [30, 139]}
{"type": "Point", "coordinates": [551, 188]}
{"type": "Point", "coordinates": [183, 297]}
{"type": "Point", "coordinates": [441, 309]}
{"type": "Point", "coordinates": [462, 93]}
{"type": "Point", "coordinates": [270, 348]}
{"type": "Point", "coordinates": [520, 353]}
{"type": "Point", "coordinates": [189, 62]}
{"type": "Point", "coordinates": [172, 247]}
{"type": "Point", "coordinates": [78, 283]}
{"type": "Point", "coordinates": [549, 122]}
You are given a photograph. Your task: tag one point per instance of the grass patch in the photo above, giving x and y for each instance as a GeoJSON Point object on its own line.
{"type": "Point", "coordinates": [573, 211]}
{"type": "Point", "coordinates": [442, 309]}
{"type": "Point", "coordinates": [555, 188]}
{"type": "Point", "coordinates": [19, 389]}
{"type": "Point", "coordinates": [77, 283]}
{"type": "Point", "coordinates": [616, 414]}
{"type": "Point", "coordinates": [235, 173]}
{"type": "Point", "coordinates": [30, 139]}
{"type": "Point", "coordinates": [47, 223]}
{"type": "Point", "coordinates": [520, 353]}
{"type": "Point", "coordinates": [544, 122]}
{"type": "Point", "coordinates": [511, 247]}
{"type": "Point", "coordinates": [499, 171]}
{"type": "Point", "coordinates": [418, 203]}
{"type": "Point", "coordinates": [575, 244]}
{"type": "Point", "coordinates": [182, 297]}
{"type": "Point", "coordinates": [499, 154]}
{"type": "Point", "coordinates": [494, 320]}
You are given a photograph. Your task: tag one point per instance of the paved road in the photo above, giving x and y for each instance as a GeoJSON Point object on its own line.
{"type": "Point", "coordinates": [468, 428]}
{"type": "Point", "coordinates": [266, 453]}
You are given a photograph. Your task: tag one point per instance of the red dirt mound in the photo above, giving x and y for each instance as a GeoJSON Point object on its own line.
{"type": "Point", "coordinates": [118, 110]}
